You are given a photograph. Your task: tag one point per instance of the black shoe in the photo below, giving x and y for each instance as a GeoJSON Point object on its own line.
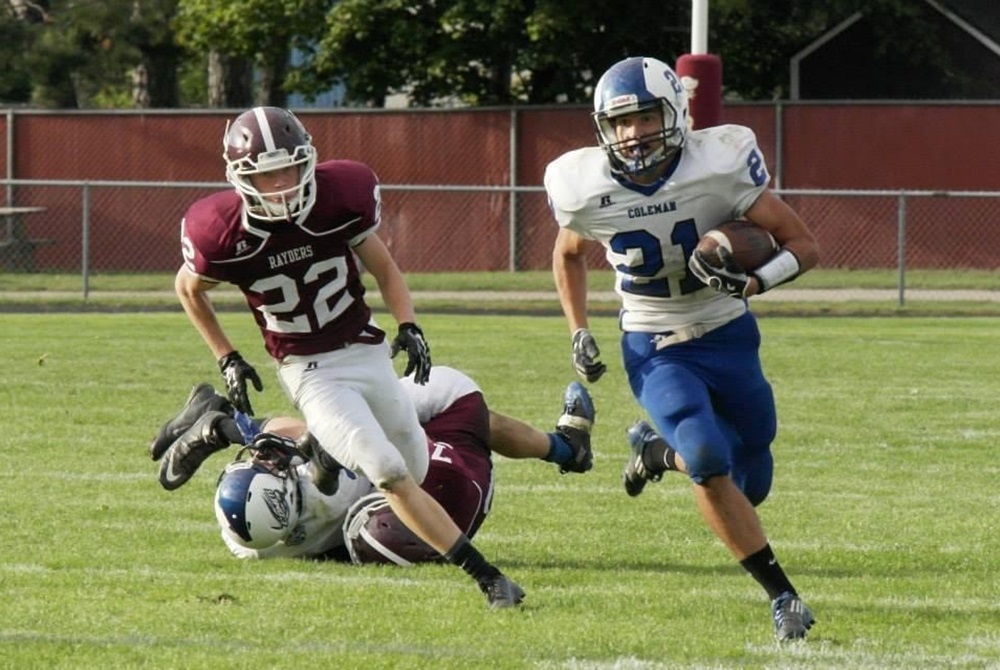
{"type": "Point", "coordinates": [575, 424]}
{"type": "Point", "coordinates": [791, 617]}
{"type": "Point", "coordinates": [636, 474]}
{"type": "Point", "coordinates": [325, 469]}
{"type": "Point", "coordinates": [202, 398]}
{"type": "Point", "coordinates": [213, 432]}
{"type": "Point", "coordinates": [502, 592]}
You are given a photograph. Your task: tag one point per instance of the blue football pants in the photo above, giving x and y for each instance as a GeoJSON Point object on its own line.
{"type": "Point", "coordinates": [709, 399]}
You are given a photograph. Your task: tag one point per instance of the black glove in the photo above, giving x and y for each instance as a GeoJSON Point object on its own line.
{"type": "Point", "coordinates": [411, 339]}
{"type": "Point", "coordinates": [324, 468]}
{"type": "Point", "coordinates": [586, 356]}
{"type": "Point", "coordinates": [730, 279]}
{"type": "Point", "coordinates": [282, 453]}
{"type": "Point", "coordinates": [236, 372]}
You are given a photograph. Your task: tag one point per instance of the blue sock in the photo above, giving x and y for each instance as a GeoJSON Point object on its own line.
{"type": "Point", "coordinates": [559, 450]}
{"type": "Point", "coordinates": [248, 426]}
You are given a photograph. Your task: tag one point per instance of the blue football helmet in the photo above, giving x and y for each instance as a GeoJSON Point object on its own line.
{"type": "Point", "coordinates": [256, 505]}
{"type": "Point", "coordinates": [640, 85]}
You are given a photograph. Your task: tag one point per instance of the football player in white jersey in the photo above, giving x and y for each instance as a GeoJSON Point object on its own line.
{"type": "Point", "coordinates": [689, 345]}
{"type": "Point", "coordinates": [284, 497]}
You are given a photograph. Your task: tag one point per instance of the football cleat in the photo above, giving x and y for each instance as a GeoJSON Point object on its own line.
{"type": "Point", "coordinates": [636, 474]}
{"type": "Point", "coordinates": [325, 469]}
{"type": "Point", "coordinates": [791, 617]}
{"type": "Point", "coordinates": [202, 398]}
{"type": "Point", "coordinates": [574, 425]}
{"type": "Point", "coordinates": [213, 432]}
{"type": "Point", "coordinates": [501, 592]}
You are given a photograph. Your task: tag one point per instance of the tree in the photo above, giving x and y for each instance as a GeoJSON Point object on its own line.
{"type": "Point", "coordinates": [499, 52]}
{"type": "Point", "coordinates": [18, 31]}
{"type": "Point", "coordinates": [481, 52]}
{"type": "Point", "coordinates": [243, 35]}
{"type": "Point", "coordinates": [93, 54]}
{"type": "Point", "coordinates": [149, 32]}
{"type": "Point", "coordinates": [128, 53]}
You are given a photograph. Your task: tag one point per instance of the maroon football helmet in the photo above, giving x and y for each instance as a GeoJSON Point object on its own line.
{"type": "Point", "coordinates": [374, 534]}
{"type": "Point", "coordinates": [264, 139]}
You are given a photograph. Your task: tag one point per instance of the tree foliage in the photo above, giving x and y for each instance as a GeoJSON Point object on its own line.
{"type": "Point", "coordinates": [482, 52]}
{"type": "Point", "coordinates": [87, 54]}
{"type": "Point", "coordinates": [80, 53]}
{"type": "Point", "coordinates": [260, 32]}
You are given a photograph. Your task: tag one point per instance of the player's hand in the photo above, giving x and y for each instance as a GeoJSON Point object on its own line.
{"type": "Point", "coordinates": [730, 279]}
{"type": "Point", "coordinates": [236, 372]}
{"type": "Point", "coordinates": [586, 356]}
{"type": "Point", "coordinates": [411, 340]}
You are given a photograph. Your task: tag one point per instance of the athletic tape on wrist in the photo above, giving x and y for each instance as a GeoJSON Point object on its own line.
{"type": "Point", "coordinates": [783, 267]}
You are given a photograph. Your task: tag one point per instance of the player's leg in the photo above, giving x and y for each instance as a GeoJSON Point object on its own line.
{"type": "Point", "coordinates": [333, 396]}
{"type": "Point", "coordinates": [671, 387]}
{"type": "Point", "coordinates": [568, 445]}
{"type": "Point", "coordinates": [416, 508]}
{"type": "Point", "coordinates": [679, 388]}
{"type": "Point", "coordinates": [425, 517]}
{"type": "Point", "coordinates": [744, 402]}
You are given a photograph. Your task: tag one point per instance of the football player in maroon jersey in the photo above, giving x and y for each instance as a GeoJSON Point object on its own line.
{"type": "Point", "coordinates": [288, 237]}
{"type": "Point", "coordinates": [288, 501]}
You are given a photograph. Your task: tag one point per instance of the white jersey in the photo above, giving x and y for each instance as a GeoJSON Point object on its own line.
{"type": "Point", "coordinates": [445, 387]}
{"type": "Point", "coordinates": [319, 528]}
{"type": "Point", "coordinates": [649, 232]}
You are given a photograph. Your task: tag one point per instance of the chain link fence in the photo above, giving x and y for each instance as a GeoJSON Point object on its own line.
{"type": "Point", "coordinates": [91, 228]}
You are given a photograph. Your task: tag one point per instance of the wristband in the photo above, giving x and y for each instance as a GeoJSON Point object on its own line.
{"type": "Point", "coordinates": [780, 269]}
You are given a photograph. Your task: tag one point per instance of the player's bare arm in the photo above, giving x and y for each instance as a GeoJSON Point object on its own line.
{"type": "Point", "coordinates": [192, 291]}
{"type": "Point", "coordinates": [569, 268]}
{"type": "Point", "coordinates": [514, 438]}
{"type": "Point", "coordinates": [773, 214]}
{"type": "Point", "coordinates": [391, 284]}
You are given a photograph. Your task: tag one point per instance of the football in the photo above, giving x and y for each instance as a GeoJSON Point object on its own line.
{"type": "Point", "coordinates": [750, 245]}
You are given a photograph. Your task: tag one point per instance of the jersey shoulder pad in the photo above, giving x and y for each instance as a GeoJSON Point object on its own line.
{"type": "Point", "coordinates": [210, 223]}
{"type": "Point", "coordinates": [570, 178]}
{"type": "Point", "coordinates": [350, 182]}
{"type": "Point", "coordinates": [724, 149]}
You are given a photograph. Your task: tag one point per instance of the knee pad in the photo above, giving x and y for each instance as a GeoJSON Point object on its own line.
{"type": "Point", "coordinates": [753, 476]}
{"type": "Point", "coordinates": [705, 462]}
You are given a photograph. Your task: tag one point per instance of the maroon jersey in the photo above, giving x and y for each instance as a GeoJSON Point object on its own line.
{"type": "Point", "coordinates": [300, 279]}
{"type": "Point", "coordinates": [460, 475]}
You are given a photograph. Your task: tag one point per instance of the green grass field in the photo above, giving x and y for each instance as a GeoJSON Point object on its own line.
{"type": "Point", "coordinates": [884, 512]}
{"type": "Point", "coordinates": [963, 293]}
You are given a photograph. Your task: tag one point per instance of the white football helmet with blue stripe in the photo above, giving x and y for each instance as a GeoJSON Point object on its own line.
{"type": "Point", "coordinates": [256, 505]}
{"type": "Point", "coordinates": [640, 85]}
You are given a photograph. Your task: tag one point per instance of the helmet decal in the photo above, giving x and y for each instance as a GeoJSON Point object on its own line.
{"type": "Point", "coordinates": [278, 505]}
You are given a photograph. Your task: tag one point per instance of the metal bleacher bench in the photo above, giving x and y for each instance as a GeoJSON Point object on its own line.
{"type": "Point", "coordinates": [17, 250]}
